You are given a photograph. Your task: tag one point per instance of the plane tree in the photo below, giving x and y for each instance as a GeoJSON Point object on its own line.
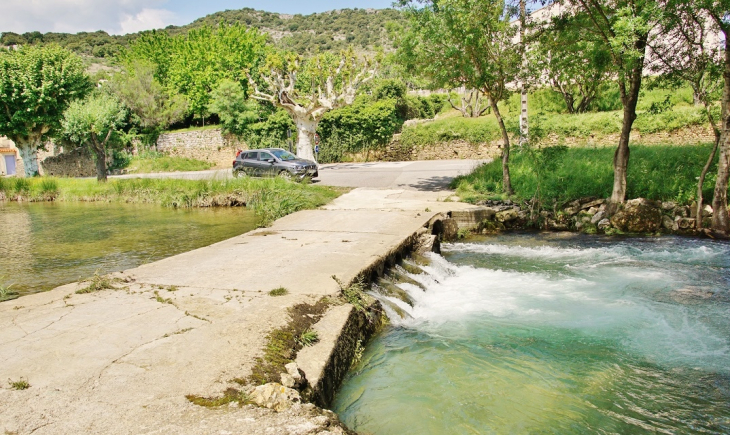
{"type": "Point", "coordinates": [37, 84]}
{"type": "Point", "coordinates": [307, 89]}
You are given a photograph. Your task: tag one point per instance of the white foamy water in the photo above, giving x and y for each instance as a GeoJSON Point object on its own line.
{"type": "Point", "coordinates": [620, 293]}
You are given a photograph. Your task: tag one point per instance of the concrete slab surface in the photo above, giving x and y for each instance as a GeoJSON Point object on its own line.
{"type": "Point", "coordinates": [122, 361]}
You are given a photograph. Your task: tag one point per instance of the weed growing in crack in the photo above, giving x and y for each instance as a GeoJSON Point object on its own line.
{"type": "Point", "coordinates": [357, 356]}
{"type": "Point", "coordinates": [281, 291]}
{"type": "Point", "coordinates": [162, 300]}
{"type": "Point", "coordinates": [98, 283]}
{"type": "Point", "coordinates": [5, 293]}
{"type": "Point", "coordinates": [308, 337]}
{"type": "Point", "coordinates": [354, 294]}
{"type": "Point", "coordinates": [21, 384]}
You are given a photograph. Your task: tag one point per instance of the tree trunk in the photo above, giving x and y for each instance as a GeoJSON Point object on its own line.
{"type": "Point", "coordinates": [621, 157]}
{"type": "Point", "coordinates": [720, 221]}
{"type": "Point", "coordinates": [100, 162]}
{"type": "Point", "coordinates": [506, 183]}
{"type": "Point", "coordinates": [29, 153]}
{"type": "Point", "coordinates": [706, 168]}
{"type": "Point", "coordinates": [306, 128]}
{"type": "Point", "coordinates": [524, 130]}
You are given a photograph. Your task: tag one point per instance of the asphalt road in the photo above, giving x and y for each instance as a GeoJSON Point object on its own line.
{"type": "Point", "coordinates": [427, 175]}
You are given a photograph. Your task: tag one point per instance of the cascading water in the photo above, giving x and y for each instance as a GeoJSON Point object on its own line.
{"type": "Point", "coordinates": [550, 334]}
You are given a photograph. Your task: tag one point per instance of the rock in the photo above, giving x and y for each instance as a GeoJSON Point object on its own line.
{"type": "Point", "coordinates": [597, 217]}
{"type": "Point", "coordinates": [638, 216]}
{"type": "Point", "coordinates": [591, 204]}
{"type": "Point", "coordinates": [669, 205]}
{"type": "Point", "coordinates": [451, 230]}
{"type": "Point", "coordinates": [707, 211]}
{"type": "Point", "coordinates": [667, 223]}
{"type": "Point", "coordinates": [682, 211]}
{"type": "Point", "coordinates": [686, 223]}
{"type": "Point", "coordinates": [507, 215]}
{"type": "Point", "coordinates": [604, 224]}
{"type": "Point", "coordinates": [297, 374]}
{"type": "Point", "coordinates": [592, 211]}
{"type": "Point", "coordinates": [275, 396]}
{"type": "Point", "coordinates": [288, 381]}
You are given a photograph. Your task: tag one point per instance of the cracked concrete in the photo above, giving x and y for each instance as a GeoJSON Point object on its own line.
{"type": "Point", "coordinates": [121, 361]}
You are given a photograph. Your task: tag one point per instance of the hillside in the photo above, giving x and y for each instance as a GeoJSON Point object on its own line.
{"type": "Point", "coordinates": [328, 31]}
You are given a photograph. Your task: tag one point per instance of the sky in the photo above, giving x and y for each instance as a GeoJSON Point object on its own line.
{"type": "Point", "coordinates": [129, 16]}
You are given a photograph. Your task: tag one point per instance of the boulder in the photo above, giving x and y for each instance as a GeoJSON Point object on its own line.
{"type": "Point", "coordinates": [593, 204]}
{"type": "Point", "coordinates": [707, 211]}
{"type": "Point", "coordinates": [507, 215]}
{"type": "Point", "coordinates": [638, 216]}
{"type": "Point", "coordinates": [667, 223]}
{"type": "Point", "coordinates": [293, 371]}
{"type": "Point", "coordinates": [604, 224]}
{"type": "Point", "coordinates": [597, 217]}
{"type": "Point", "coordinates": [275, 396]}
{"type": "Point", "coordinates": [686, 223]}
{"type": "Point", "coordinates": [669, 205]}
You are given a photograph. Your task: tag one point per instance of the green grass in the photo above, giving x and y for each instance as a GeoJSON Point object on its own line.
{"type": "Point", "coordinates": [270, 198]}
{"type": "Point", "coordinates": [194, 128]}
{"type": "Point", "coordinates": [308, 338]}
{"type": "Point", "coordinates": [655, 172]}
{"type": "Point", "coordinates": [151, 162]}
{"type": "Point", "coordinates": [280, 291]}
{"type": "Point", "coordinates": [19, 385]}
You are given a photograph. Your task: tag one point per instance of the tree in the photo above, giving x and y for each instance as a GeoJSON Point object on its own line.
{"type": "Point", "coordinates": [687, 51]}
{"type": "Point", "coordinates": [193, 64]}
{"type": "Point", "coordinates": [36, 85]}
{"type": "Point", "coordinates": [465, 43]}
{"type": "Point", "coordinates": [95, 122]}
{"type": "Point", "coordinates": [154, 107]}
{"type": "Point", "coordinates": [719, 12]}
{"type": "Point", "coordinates": [307, 90]}
{"type": "Point", "coordinates": [624, 26]}
{"type": "Point", "coordinates": [574, 65]}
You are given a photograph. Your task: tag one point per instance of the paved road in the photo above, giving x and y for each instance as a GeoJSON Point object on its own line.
{"type": "Point", "coordinates": [429, 175]}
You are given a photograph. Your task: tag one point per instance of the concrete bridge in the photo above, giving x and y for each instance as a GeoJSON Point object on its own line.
{"type": "Point", "coordinates": [122, 361]}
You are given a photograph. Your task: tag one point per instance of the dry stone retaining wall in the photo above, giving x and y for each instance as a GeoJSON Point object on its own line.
{"type": "Point", "coordinates": [207, 145]}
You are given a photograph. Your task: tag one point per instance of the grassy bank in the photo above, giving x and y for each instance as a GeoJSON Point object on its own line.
{"type": "Point", "coordinates": [560, 174]}
{"type": "Point", "coordinates": [151, 162]}
{"type": "Point", "coordinates": [269, 198]}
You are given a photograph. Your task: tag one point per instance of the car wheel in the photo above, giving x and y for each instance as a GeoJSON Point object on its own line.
{"type": "Point", "coordinates": [285, 175]}
{"type": "Point", "coordinates": [236, 173]}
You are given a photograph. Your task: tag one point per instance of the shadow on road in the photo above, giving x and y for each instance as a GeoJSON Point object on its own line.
{"type": "Point", "coordinates": [431, 184]}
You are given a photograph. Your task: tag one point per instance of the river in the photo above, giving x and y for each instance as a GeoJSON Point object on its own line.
{"type": "Point", "coordinates": [551, 334]}
{"type": "Point", "coordinates": [44, 245]}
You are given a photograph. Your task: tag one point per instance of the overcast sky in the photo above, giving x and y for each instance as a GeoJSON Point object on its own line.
{"type": "Point", "coordinates": [128, 16]}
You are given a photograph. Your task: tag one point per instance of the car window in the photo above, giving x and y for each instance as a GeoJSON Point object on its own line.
{"type": "Point", "coordinates": [265, 156]}
{"type": "Point", "coordinates": [252, 155]}
{"type": "Point", "coordinates": [284, 155]}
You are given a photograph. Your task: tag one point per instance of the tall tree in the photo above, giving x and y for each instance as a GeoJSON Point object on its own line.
{"type": "Point", "coordinates": [36, 85]}
{"type": "Point", "coordinates": [465, 42]}
{"type": "Point", "coordinates": [687, 50]}
{"type": "Point", "coordinates": [624, 27]}
{"type": "Point", "coordinates": [308, 89]}
{"type": "Point", "coordinates": [95, 122]}
{"type": "Point", "coordinates": [575, 65]}
{"type": "Point", "coordinates": [719, 13]}
{"type": "Point", "coordinates": [193, 64]}
{"type": "Point", "coordinates": [154, 107]}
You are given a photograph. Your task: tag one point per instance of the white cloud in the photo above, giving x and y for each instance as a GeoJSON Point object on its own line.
{"type": "Point", "coordinates": [113, 16]}
{"type": "Point", "coordinates": [147, 19]}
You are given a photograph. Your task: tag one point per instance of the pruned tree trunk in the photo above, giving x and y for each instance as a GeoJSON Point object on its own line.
{"type": "Point", "coordinates": [720, 221]}
{"type": "Point", "coordinates": [524, 129]}
{"type": "Point", "coordinates": [29, 154]}
{"type": "Point", "coordinates": [506, 182]}
{"type": "Point", "coordinates": [306, 129]}
{"type": "Point", "coordinates": [100, 165]}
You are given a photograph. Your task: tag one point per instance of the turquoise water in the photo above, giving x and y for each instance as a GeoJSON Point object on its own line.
{"type": "Point", "coordinates": [548, 334]}
{"type": "Point", "coordinates": [44, 245]}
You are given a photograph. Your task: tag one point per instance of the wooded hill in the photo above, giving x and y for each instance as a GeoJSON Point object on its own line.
{"type": "Point", "coordinates": [365, 29]}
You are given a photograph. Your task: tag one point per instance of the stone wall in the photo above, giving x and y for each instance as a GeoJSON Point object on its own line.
{"type": "Point", "coordinates": [74, 163]}
{"type": "Point", "coordinates": [207, 145]}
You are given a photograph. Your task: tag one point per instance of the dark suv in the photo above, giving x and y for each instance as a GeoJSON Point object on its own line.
{"type": "Point", "coordinates": [273, 162]}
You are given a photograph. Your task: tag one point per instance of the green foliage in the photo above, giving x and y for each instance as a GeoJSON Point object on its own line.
{"type": "Point", "coordinates": [655, 172]}
{"type": "Point", "coordinates": [98, 283]}
{"type": "Point", "coordinates": [195, 63]}
{"type": "Point", "coordinates": [235, 111]}
{"type": "Point", "coordinates": [154, 107]}
{"type": "Point", "coordinates": [21, 384]}
{"type": "Point", "coordinates": [308, 338]}
{"type": "Point", "coordinates": [37, 84]}
{"type": "Point", "coordinates": [6, 294]}
{"type": "Point", "coordinates": [354, 294]}
{"type": "Point", "coordinates": [279, 291]}
{"type": "Point", "coordinates": [91, 121]}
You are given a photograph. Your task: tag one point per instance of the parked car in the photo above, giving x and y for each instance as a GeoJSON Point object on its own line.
{"type": "Point", "coordinates": [273, 162]}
